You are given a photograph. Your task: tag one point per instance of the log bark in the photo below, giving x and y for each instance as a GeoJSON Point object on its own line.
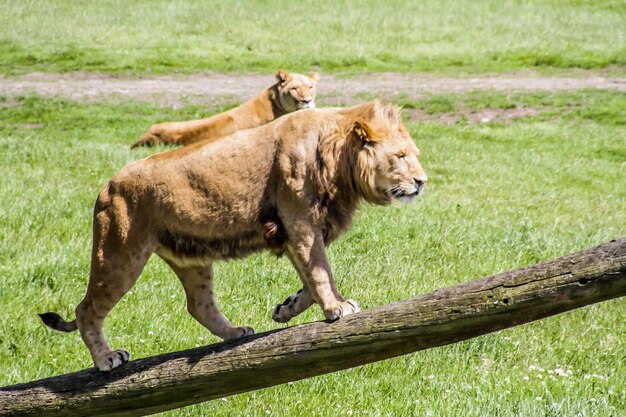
{"type": "Point", "coordinates": [439, 318]}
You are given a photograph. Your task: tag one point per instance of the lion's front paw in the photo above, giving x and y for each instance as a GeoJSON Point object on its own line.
{"type": "Point", "coordinates": [285, 311]}
{"type": "Point", "coordinates": [158, 133]}
{"type": "Point", "coordinates": [238, 332]}
{"type": "Point", "coordinates": [280, 315]}
{"type": "Point", "coordinates": [111, 360]}
{"type": "Point", "coordinates": [147, 139]}
{"type": "Point", "coordinates": [342, 309]}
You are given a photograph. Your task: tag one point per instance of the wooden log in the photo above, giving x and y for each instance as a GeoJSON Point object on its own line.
{"type": "Point", "coordinates": [439, 318]}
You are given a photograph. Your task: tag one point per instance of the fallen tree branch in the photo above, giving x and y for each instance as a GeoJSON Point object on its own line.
{"type": "Point", "coordinates": [439, 318]}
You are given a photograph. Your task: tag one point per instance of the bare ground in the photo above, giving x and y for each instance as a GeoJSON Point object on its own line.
{"type": "Point", "coordinates": [215, 90]}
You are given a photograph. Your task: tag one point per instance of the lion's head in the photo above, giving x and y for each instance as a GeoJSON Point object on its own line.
{"type": "Point", "coordinates": [382, 156]}
{"type": "Point", "coordinates": [296, 91]}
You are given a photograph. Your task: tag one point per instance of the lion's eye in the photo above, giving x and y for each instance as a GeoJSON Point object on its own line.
{"type": "Point", "coordinates": [294, 90]}
{"type": "Point", "coordinates": [310, 87]}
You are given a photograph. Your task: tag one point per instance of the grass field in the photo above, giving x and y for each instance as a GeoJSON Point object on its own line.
{"type": "Point", "coordinates": [454, 36]}
{"type": "Point", "coordinates": [501, 196]}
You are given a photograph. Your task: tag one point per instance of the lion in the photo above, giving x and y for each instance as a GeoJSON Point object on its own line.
{"type": "Point", "coordinates": [291, 186]}
{"type": "Point", "coordinates": [291, 92]}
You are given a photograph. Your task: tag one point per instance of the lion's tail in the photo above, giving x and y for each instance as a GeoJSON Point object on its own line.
{"type": "Point", "coordinates": [56, 322]}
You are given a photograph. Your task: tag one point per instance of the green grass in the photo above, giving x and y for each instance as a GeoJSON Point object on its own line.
{"type": "Point", "coordinates": [500, 196]}
{"type": "Point", "coordinates": [452, 36]}
{"type": "Point", "coordinates": [603, 106]}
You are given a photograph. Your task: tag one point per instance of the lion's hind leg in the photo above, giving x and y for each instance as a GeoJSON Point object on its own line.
{"type": "Point", "coordinates": [107, 285]}
{"type": "Point", "coordinates": [121, 249]}
{"type": "Point", "coordinates": [90, 315]}
{"type": "Point", "coordinates": [198, 284]}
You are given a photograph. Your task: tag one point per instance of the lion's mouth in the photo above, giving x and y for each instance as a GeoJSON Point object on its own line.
{"type": "Point", "coordinates": [306, 105]}
{"type": "Point", "coordinates": [406, 195]}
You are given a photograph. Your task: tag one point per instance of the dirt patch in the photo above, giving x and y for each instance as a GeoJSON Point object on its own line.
{"type": "Point", "coordinates": [9, 103]}
{"type": "Point", "coordinates": [215, 90]}
{"type": "Point", "coordinates": [472, 117]}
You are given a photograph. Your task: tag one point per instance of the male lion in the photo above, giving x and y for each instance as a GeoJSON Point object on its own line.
{"type": "Point", "coordinates": [291, 186]}
{"type": "Point", "coordinates": [290, 93]}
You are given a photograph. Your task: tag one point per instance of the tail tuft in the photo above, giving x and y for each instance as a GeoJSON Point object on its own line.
{"type": "Point", "coordinates": [56, 322]}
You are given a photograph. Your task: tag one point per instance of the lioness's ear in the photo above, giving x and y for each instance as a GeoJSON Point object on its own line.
{"type": "Point", "coordinates": [281, 76]}
{"type": "Point", "coordinates": [363, 132]}
{"type": "Point", "coordinates": [314, 76]}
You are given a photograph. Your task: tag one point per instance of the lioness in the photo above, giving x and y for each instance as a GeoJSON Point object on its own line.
{"type": "Point", "coordinates": [291, 186]}
{"type": "Point", "coordinates": [290, 93]}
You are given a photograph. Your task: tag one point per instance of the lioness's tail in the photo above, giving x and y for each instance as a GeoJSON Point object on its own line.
{"type": "Point", "coordinates": [56, 322]}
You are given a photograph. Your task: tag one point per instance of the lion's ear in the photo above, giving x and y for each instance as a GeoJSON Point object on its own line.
{"type": "Point", "coordinates": [363, 132]}
{"type": "Point", "coordinates": [314, 76]}
{"type": "Point", "coordinates": [281, 76]}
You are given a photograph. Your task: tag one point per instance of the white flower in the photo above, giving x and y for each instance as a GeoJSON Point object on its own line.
{"type": "Point", "coordinates": [562, 372]}
{"type": "Point", "coordinates": [596, 376]}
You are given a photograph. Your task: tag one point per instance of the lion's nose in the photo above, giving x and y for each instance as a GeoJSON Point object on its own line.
{"type": "Point", "coordinates": [306, 101]}
{"type": "Point", "coordinates": [419, 183]}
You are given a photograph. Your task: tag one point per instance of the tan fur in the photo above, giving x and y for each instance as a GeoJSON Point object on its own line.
{"type": "Point", "coordinates": [291, 186]}
{"type": "Point", "coordinates": [290, 93]}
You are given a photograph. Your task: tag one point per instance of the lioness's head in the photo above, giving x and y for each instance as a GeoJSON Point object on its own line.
{"type": "Point", "coordinates": [296, 91]}
{"type": "Point", "coordinates": [384, 158]}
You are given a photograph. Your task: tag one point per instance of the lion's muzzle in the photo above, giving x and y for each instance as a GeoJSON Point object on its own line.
{"type": "Point", "coordinates": [419, 185]}
{"type": "Point", "coordinates": [306, 104]}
